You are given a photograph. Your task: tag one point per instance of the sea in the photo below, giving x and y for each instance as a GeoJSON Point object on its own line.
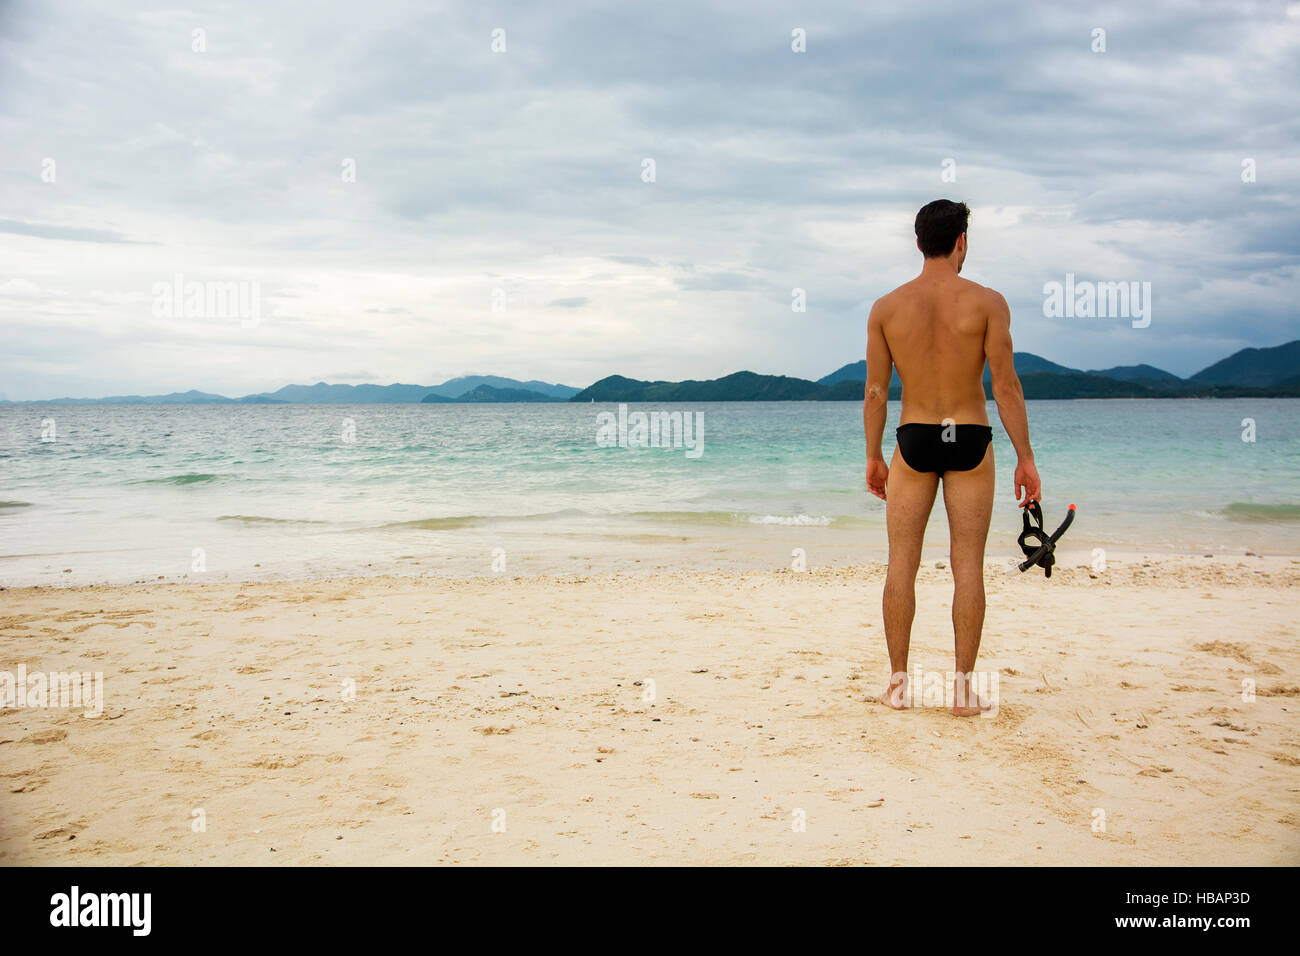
{"type": "Point", "coordinates": [126, 493]}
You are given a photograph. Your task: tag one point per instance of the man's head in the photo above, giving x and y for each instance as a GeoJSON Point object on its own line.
{"type": "Point", "coordinates": [941, 230]}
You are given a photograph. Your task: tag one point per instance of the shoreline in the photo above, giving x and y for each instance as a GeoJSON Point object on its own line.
{"type": "Point", "coordinates": [995, 566]}
{"type": "Point", "coordinates": [1120, 693]}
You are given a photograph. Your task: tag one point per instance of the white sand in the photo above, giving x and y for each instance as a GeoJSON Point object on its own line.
{"type": "Point", "coordinates": [1120, 694]}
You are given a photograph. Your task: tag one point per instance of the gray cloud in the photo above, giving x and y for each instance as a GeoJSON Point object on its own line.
{"type": "Point", "coordinates": [67, 233]}
{"type": "Point", "coordinates": [492, 190]}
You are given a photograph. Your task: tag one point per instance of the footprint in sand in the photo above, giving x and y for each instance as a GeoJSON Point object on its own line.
{"type": "Point", "coordinates": [1238, 652]}
{"type": "Point", "coordinates": [50, 736]}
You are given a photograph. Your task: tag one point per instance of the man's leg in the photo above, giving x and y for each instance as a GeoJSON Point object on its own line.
{"type": "Point", "coordinates": [968, 496]}
{"type": "Point", "coordinates": [910, 497]}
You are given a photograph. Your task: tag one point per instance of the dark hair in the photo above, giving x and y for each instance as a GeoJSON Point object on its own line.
{"type": "Point", "coordinates": [938, 225]}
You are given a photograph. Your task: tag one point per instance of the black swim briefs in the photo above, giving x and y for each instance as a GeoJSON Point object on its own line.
{"type": "Point", "coordinates": [924, 448]}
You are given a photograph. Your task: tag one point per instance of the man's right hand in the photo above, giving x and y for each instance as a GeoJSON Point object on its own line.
{"type": "Point", "coordinates": [877, 477]}
{"type": "Point", "coordinates": [1028, 486]}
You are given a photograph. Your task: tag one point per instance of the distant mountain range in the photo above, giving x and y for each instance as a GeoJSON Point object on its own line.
{"type": "Point", "coordinates": [1251, 372]}
{"type": "Point", "coordinates": [470, 388]}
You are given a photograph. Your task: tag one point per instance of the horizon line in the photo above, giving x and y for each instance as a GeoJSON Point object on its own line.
{"type": "Point", "coordinates": [578, 390]}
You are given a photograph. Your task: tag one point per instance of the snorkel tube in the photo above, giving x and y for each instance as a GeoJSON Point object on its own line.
{"type": "Point", "coordinates": [1042, 555]}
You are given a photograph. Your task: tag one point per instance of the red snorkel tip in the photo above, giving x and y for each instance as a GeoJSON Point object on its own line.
{"type": "Point", "coordinates": [1071, 507]}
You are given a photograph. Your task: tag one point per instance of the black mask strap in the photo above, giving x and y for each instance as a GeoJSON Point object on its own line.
{"type": "Point", "coordinates": [1040, 547]}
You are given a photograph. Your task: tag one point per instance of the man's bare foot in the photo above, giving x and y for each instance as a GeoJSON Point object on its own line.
{"type": "Point", "coordinates": [967, 703]}
{"type": "Point", "coordinates": [895, 695]}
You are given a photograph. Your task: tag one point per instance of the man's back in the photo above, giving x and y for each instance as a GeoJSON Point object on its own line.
{"type": "Point", "coordinates": [935, 328]}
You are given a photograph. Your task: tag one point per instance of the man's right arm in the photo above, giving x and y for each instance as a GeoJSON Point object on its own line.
{"type": "Point", "coordinates": [880, 368]}
{"type": "Point", "coordinates": [1010, 397]}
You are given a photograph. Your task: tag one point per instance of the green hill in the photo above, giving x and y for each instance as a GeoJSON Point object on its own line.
{"type": "Point", "coordinates": [1146, 374]}
{"type": "Point", "coordinates": [457, 387]}
{"type": "Point", "coordinates": [1254, 368]}
{"type": "Point", "coordinates": [737, 387]}
{"type": "Point", "coordinates": [1049, 385]}
{"type": "Point", "coordinates": [486, 393]}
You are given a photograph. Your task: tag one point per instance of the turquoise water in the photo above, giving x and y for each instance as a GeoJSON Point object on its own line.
{"type": "Point", "coordinates": [130, 492]}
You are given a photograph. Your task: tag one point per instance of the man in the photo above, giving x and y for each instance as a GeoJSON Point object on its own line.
{"type": "Point", "coordinates": [938, 330]}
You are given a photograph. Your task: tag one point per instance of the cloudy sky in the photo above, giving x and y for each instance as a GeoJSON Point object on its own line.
{"type": "Point", "coordinates": [134, 149]}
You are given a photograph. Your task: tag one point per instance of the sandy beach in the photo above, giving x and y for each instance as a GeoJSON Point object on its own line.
{"type": "Point", "coordinates": [513, 720]}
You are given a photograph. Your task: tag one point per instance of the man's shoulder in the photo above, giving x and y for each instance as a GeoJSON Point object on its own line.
{"type": "Point", "coordinates": [893, 297]}
{"type": "Point", "coordinates": [883, 305]}
{"type": "Point", "coordinates": [985, 292]}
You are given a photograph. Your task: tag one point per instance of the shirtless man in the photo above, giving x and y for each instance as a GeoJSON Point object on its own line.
{"type": "Point", "coordinates": [938, 330]}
